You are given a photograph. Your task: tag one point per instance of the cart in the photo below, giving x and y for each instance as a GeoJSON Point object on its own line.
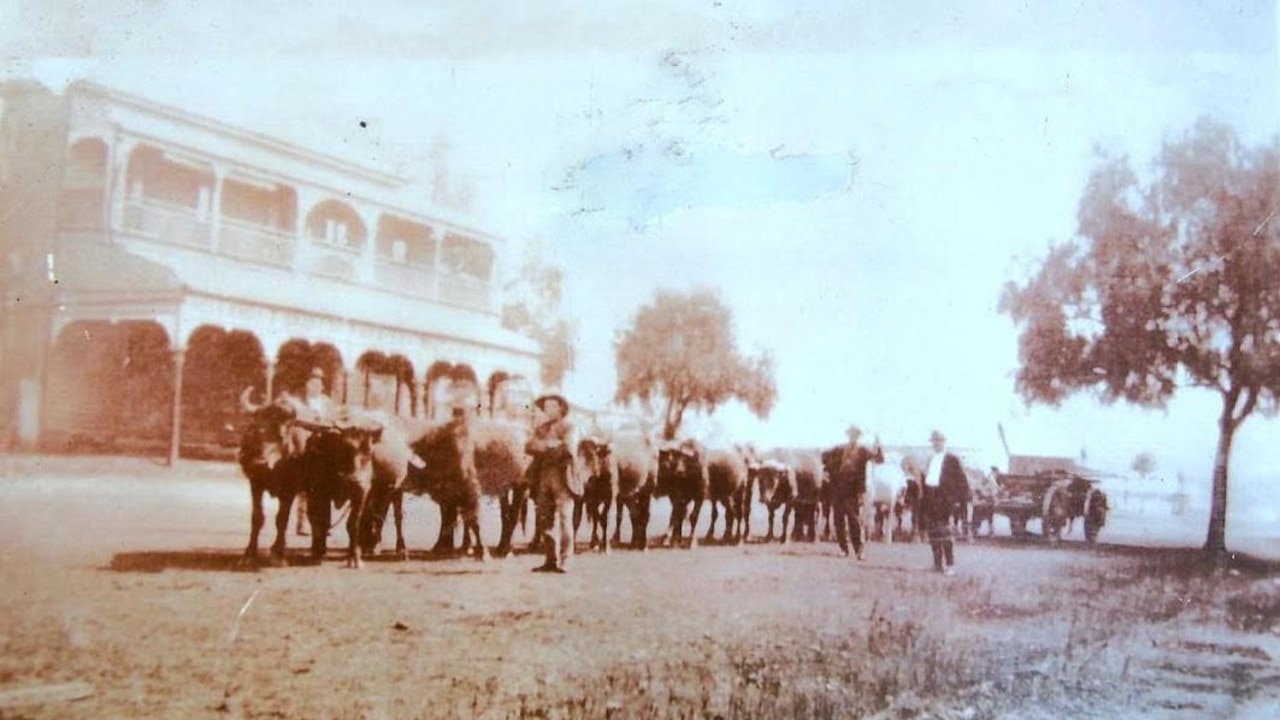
{"type": "Point", "coordinates": [1056, 497]}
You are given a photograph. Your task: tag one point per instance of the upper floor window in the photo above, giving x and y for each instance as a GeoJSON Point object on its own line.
{"type": "Point", "coordinates": [405, 242]}
{"type": "Point", "coordinates": [260, 202]}
{"type": "Point", "coordinates": [463, 255]}
{"type": "Point", "coordinates": [335, 223]}
{"type": "Point", "coordinates": [170, 178]}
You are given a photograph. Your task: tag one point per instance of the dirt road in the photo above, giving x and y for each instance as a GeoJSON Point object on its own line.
{"type": "Point", "coordinates": [121, 574]}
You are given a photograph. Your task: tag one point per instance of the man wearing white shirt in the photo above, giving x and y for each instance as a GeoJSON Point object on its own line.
{"type": "Point", "coordinates": [944, 484]}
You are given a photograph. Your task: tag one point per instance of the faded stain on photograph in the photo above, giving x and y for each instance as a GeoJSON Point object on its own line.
{"type": "Point", "coordinates": [723, 359]}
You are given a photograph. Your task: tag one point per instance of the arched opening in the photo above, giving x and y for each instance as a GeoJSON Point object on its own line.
{"type": "Point", "coordinates": [465, 388]}
{"type": "Point", "coordinates": [258, 219]}
{"type": "Point", "coordinates": [432, 399]}
{"type": "Point", "coordinates": [497, 378]}
{"type": "Point", "coordinates": [336, 224]}
{"type": "Point", "coordinates": [384, 382]}
{"type": "Point", "coordinates": [168, 197]}
{"type": "Point", "coordinates": [110, 388]}
{"type": "Point", "coordinates": [296, 358]}
{"type": "Point", "coordinates": [402, 369]}
{"type": "Point", "coordinates": [405, 242]}
{"type": "Point", "coordinates": [219, 365]}
{"type": "Point", "coordinates": [511, 396]}
{"type": "Point", "coordinates": [81, 205]}
{"type": "Point", "coordinates": [405, 255]}
{"type": "Point", "coordinates": [467, 269]}
{"type": "Point", "coordinates": [337, 235]}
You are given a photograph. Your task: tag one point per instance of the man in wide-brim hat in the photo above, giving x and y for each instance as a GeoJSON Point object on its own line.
{"type": "Point", "coordinates": [542, 400]}
{"type": "Point", "coordinates": [553, 481]}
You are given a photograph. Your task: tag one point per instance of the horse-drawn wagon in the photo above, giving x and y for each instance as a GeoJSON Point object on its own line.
{"type": "Point", "coordinates": [1055, 497]}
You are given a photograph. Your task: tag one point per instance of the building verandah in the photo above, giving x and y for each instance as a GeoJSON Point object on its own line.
{"type": "Point", "coordinates": [152, 363]}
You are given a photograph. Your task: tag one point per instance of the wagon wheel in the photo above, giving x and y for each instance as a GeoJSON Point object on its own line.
{"type": "Point", "coordinates": [1055, 514]}
{"type": "Point", "coordinates": [1095, 514]}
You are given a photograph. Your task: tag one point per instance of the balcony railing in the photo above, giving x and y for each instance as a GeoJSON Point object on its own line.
{"type": "Point", "coordinates": [464, 290]}
{"type": "Point", "coordinates": [256, 243]}
{"type": "Point", "coordinates": [334, 262]}
{"type": "Point", "coordinates": [415, 280]}
{"type": "Point", "coordinates": [178, 225]}
{"type": "Point", "coordinates": [167, 223]}
{"type": "Point", "coordinates": [80, 209]}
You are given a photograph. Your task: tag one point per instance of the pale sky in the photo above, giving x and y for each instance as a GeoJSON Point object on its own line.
{"type": "Point", "coordinates": [857, 184]}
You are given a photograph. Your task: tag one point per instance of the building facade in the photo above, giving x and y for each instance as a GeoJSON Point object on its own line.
{"type": "Point", "coordinates": [157, 262]}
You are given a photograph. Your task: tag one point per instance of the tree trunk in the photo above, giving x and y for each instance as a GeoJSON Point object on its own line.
{"type": "Point", "coordinates": [672, 418]}
{"type": "Point", "coordinates": [668, 426]}
{"type": "Point", "coordinates": [1216, 541]}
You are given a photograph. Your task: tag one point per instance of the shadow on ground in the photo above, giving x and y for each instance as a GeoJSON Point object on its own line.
{"type": "Point", "coordinates": [226, 560]}
{"type": "Point", "coordinates": [1155, 560]}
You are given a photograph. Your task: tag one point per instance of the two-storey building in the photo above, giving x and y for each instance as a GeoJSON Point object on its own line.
{"type": "Point", "coordinates": [156, 262]}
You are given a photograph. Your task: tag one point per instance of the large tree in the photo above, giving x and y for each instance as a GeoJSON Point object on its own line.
{"type": "Point", "coordinates": [680, 350]}
{"type": "Point", "coordinates": [1173, 281]}
{"type": "Point", "coordinates": [1144, 463]}
{"type": "Point", "coordinates": [533, 306]}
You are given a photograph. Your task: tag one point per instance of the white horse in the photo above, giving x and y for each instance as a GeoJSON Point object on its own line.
{"type": "Point", "coordinates": [885, 485]}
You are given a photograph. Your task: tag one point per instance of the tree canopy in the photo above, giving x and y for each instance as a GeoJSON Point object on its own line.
{"type": "Point", "coordinates": [1144, 463]}
{"type": "Point", "coordinates": [533, 307]}
{"type": "Point", "coordinates": [1172, 281]}
{"type": "Point", "coordinates": [680, 349]}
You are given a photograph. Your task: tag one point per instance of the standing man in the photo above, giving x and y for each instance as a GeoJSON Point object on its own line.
{"type": "Point", "coordinates": [318, 408]}
{"type": "Point", "coordinates": [553, 480]}
{"type": "Point", "coordinates": [944, 484]}
{"type": "Point", "coordinates": [849, 490]}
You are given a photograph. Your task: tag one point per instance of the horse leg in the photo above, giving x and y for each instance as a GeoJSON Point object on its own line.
{"type": "Point", "coordinates": [471, 527]}
{"type": "Point", "coordinates": [354, 516]}
{"type": "Point", "coordinates": [619, 503]}
{"type": "Point", "coordinates": [507, 515]}
{"type": "Point", "coordinates": [579, 505]}
{"type": "Point", "coordinates": [373, 520]}
{"type": "Point", "coordinates": [257, 518]}
{"type": "Point", "coordinates": [448, 520]}
{"type": "Point", "coordinates": [672, 535]}
{"type": "Point", "coordinates": [397, 509]}
{"type": "Point", "coordinates": [300, 525]}
{"type": "Point", "coordinates": [711, 527]}
{"type": "Point", "coordinates": [318, 513]}
{"type": "Point", "coordinates": [604, 520]}
{"type": "Point", "coordinates": [693, 523]}
{"type": "Point", "coordinates": [283, 511]}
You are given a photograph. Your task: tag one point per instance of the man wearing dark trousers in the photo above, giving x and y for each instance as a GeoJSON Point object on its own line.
{"type": "Point", "coordinates": [944, 482]}
{"type": "Point", "coordinates": [849, 490]}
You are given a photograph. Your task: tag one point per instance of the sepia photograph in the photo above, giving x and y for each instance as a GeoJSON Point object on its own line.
{"type": "Point", "coordinates": [715, 359]}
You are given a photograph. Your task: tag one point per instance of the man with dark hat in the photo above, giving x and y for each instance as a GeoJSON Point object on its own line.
{"type": "Point", "coordinates": [552, 476]}
{"type": "Point", "coordinates": [849, 490]}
